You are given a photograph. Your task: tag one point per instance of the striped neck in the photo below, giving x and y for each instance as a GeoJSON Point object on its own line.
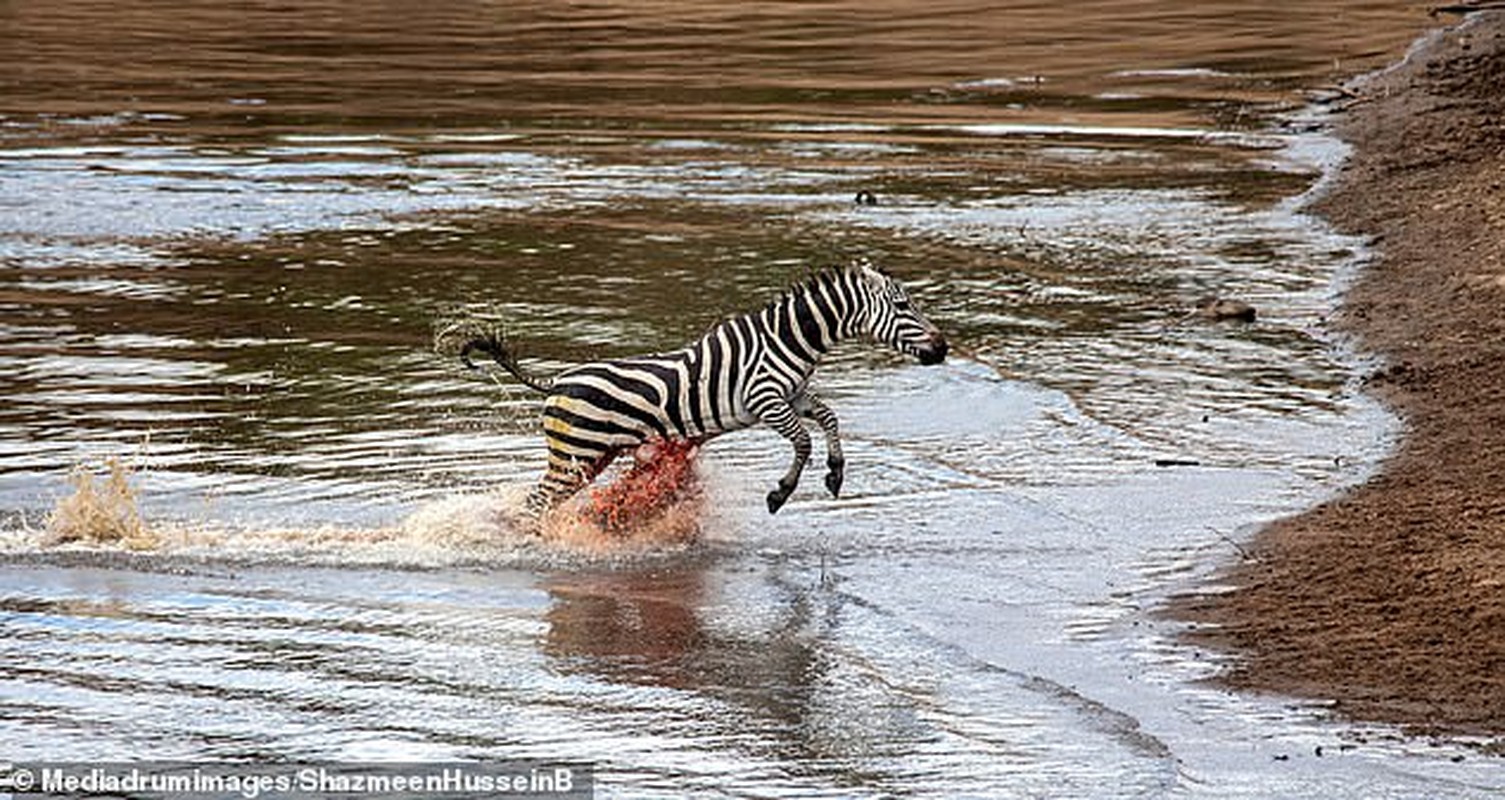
{"type": "Point", "coordinates": [812, 317]}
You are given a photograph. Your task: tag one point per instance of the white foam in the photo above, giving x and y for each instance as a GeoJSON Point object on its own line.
{"type": "Point", "coordinates": [461, 530]}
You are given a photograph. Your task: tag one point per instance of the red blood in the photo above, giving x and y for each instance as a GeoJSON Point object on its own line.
{"type": "Point", "coordinates": [662, 474]}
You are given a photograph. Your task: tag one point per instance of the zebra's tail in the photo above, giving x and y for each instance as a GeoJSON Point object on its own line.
{"type": "Point", "coordinates": [463, 337]}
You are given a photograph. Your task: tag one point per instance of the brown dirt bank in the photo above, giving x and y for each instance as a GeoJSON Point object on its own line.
{"type": "Point", "coordinates": [1390, 600]}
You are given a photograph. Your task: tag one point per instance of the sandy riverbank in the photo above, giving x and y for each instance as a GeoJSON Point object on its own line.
{"type": "Point", "coordinates": [1390, 600]}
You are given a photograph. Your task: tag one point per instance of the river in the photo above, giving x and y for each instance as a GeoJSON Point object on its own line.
{"type": "Point", "coordinates": [228, 231]}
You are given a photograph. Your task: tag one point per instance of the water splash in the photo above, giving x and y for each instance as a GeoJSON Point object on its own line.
{"type": "Point", "coordinates": [661, 476]}
{"type": "Point", "coordinates": [103, 513]}
{"type": "Point", "coordinates": [654, 508]}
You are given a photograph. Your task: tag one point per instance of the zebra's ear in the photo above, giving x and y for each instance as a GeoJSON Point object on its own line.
{"type": "Point", "coordinates": [871, 275]}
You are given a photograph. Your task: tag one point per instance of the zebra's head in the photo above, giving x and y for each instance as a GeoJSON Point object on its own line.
{"type": "Point", "coordinates": [893, 319]}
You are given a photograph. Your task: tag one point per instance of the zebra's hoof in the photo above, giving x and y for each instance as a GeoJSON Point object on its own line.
{"type": "Point", "coordinates": [833, 481]}
{"type": "Point", "coordinates": [776, 500]}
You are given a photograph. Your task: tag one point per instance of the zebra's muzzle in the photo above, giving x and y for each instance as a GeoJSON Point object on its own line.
{"type": "Point", "coordinates": [934, 351]}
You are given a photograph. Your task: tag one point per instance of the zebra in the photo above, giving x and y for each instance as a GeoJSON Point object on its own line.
{"type": "Point", "coordinates": [747, 370]}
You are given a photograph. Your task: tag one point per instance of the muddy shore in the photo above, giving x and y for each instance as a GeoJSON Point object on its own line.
{"type": "Point", "coordinates": [1390, 600]}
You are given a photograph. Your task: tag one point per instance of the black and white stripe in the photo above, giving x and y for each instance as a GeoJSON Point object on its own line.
{"type": "Point", "coordinates": [746, 370]}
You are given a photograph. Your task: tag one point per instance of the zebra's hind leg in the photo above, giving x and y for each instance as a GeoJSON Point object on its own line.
{"type": "Point", "coordinates": [566, 475]}
{"type": "Point", "coordinates": [811, 406]}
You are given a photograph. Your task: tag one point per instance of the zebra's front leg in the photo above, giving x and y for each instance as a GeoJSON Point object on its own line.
{"type": "Point", "coordinates": [811, 406]}
{"type": "Point", "coordinates": [776, 413]}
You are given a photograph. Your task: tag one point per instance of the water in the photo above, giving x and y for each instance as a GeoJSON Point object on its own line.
{"type": "Point", "coordinates": [226, 235]}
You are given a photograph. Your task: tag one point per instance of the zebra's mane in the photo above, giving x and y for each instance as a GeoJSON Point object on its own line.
{"type": "Point", "coordinates": [825, 276]}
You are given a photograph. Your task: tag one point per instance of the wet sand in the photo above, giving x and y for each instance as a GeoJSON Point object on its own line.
{"type": "Point", "coordinates": [1390, 600]}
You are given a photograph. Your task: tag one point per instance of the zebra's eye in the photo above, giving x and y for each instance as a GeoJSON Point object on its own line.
{"type": "Point", "coordinates": [902, 303]}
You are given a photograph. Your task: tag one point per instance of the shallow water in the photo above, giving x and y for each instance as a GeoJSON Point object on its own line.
{"type": "Point", "coordinates": [225, 237]}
